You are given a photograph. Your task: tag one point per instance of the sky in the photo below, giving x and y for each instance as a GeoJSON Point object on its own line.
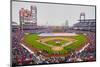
{"type": "Point", "coordinates": [54, 14]}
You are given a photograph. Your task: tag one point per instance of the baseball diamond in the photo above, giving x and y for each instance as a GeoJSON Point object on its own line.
{"type": "Point", "coordinates": [55, 44]}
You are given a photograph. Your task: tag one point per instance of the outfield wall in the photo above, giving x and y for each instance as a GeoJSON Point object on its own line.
{"type": "Point", "coordinates": [57, 34]}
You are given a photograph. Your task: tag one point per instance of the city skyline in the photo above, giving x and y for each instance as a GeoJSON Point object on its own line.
{"type": "Point", "coordinates": [54, 14]}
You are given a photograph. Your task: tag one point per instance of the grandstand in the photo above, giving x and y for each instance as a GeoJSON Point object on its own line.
{"type": "Point", "coordinates": [33, 44]}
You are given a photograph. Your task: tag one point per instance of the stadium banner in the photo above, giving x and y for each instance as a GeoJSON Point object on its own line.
{"type": "Point", "coordinates": [52, 33]}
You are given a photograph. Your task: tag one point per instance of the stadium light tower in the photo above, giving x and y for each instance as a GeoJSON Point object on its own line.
{"type": "Point", "coordinates": [66, 25]}
{"type": "Point", "coordinates": [21, 18]}
{"type": "Point", "coordinates": [82, 16]}
{"type": "Point", "coordinates": [34, 14]}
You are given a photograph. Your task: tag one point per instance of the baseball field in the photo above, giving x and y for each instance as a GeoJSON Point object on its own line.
{"type": "Point", "coordinates": [59, 44]}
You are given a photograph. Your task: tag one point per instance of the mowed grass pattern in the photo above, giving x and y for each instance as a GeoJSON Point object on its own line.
{"type": "Point", "coordinates": [30, 39]}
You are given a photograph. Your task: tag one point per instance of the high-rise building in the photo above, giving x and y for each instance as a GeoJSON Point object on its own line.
{"type": "Point", "coordinates": [66, 24]}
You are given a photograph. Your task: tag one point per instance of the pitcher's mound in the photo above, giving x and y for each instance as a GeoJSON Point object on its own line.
{"type": "Point", "coordinates": [57, 48]}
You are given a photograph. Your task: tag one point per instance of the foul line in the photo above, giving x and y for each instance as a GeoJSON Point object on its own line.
{"type": "Point", "coordinates": [26, 48]}
{"type": "Point", "coordinates": [84, 47]}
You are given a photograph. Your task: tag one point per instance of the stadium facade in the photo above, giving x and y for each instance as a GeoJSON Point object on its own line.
{"type": "Point", "coordinates": [28, 21]}
{"type": "Point", "coordinates": [85, 24]}
{"type": "Point", "coordinates": [28, 18]}
{"type": "Point", "coordinates": [14, 26]}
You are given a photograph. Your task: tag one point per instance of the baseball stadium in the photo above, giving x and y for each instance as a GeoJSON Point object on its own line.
{"type": "Point", "coordinates": [56, 42]}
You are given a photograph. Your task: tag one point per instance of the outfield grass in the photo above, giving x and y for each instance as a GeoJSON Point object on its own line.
{"type": "Point", "coordinates": [30, 39]}
{"type": "Point", "coordinates": [81, 39]}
